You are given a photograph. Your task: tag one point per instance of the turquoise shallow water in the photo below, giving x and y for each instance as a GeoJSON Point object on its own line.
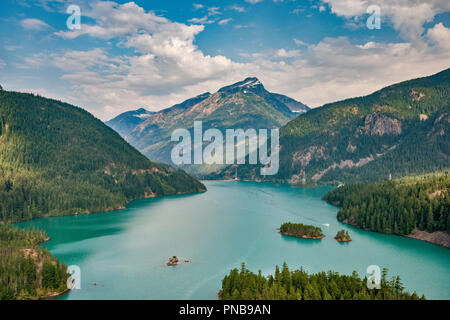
{"type": "Point", "coordinates": [124, 252]}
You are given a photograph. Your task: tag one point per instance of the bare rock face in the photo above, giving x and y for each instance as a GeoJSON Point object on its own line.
{"type": "Point", "coordinates": [375, 124]}
{"type": "Point", "coordinates": [416, 96]}
{"type": "Point", "coordinates": [305, 156]}
{"type": "Point", "coordinates": [1, 88]}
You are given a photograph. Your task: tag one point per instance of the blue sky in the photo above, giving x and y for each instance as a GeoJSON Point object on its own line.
{"type": "Point", "coordinates": [153, 54]}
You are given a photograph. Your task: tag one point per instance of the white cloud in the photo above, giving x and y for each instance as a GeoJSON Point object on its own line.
{"type": "Point", "coordinates": [34, 24]}
{"type": "Point", "coordinates": [237, 8]}
{"type": "Point", "coordinates": [213, 11]}
{"type": "Point", "coordinates": [336, 69]}
{"type": "Point", "coordinates": [253, 1]}
{"type": "Point", "coordinates": [203, 20]}
{"type": "Point", "coordinates": [407, 16]}
{"type": "Point", "coordinates": [283, 53]}
{"type": "Point", "coordinates": [197, 6]}
{"type": "Point", "coordinates": [164, 66]}
{"type": "Point", "coordinates": [440, 35]}
{"type": "Point", "coordinates": [225, 21]}
{"type": "Point", "coordinates": [300, 42]}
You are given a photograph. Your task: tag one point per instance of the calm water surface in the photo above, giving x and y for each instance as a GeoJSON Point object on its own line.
{"type": "Point", "coordinates": [124, 252]}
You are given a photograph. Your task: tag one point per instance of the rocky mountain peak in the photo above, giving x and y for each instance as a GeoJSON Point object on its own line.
{"type": "Point", "coordinates": [252, 84]}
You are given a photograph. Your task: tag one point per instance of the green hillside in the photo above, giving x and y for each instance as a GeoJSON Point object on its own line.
{"type": "Point", "coordinates": [58, 159]}
{"type": "Point", "coordinates": [298, 284]}
{"type": "Point", "coordinates": [400, 130]}
{"type": "Point", "coordinates": [420, 206]}
{"type": "Point", "coordinates": [28, 271]}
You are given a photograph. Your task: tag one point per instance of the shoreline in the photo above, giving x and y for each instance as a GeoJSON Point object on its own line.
{"type": "Point", "coordinates": [415, 235]}
{"type": "Point", "coordinates": [301, 237]}
{"type": "Point", "coordinates": [344, 241]}
{"type": "Point", "coordinates": [119, 208]}
{"type": "Point", "coordinates": [54, 294]}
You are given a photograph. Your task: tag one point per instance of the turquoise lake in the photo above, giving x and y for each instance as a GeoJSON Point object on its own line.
{"type": "Point", "coordinates": [124, 252]}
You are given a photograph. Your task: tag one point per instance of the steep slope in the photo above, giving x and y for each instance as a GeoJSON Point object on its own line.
{"type": "Point", "coordinates": [400, 130]}
{"type": "Point", "coordinates": [28, 271]}
{"type": "Point", "coordinates": [127, 121]}
{"type": "Point", "coordinates": [418, 207]}
{"type": "Point", "coordinates": [246, 104]}
{"type": "Point", "coordinates": [58, 159]}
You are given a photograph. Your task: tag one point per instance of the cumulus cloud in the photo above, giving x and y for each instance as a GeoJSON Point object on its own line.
{"type": "Point", "coordinates": [336, 69]}
{"type": "Point", "coordinates": [34, 24]}
{"type": "Point", "coordinates": [283, 53]}
{"type": "Point", "coordinates": [407, 16]}
{"type": "Point", "coordinates": [163, 66]}
{"type": "Point", "coordinates": [439, 35]}
{"type": "Point", "coordinates": [167, 65]}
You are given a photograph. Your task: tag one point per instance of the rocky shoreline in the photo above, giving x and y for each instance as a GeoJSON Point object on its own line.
{"type": "Point", "coordinates": [440, 238]}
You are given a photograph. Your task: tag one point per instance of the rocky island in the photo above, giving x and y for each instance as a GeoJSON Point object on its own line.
{"type": "Point", "coordinates": [343, 236]}
{"type": "Point", "coordinates": [173, 261]}
{"type": "Point", "coordinates": [300, 230]}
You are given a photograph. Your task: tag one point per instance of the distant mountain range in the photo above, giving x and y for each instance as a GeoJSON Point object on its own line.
{"type": "Point", "coordinates": [400, 130]}
{"type": "Point", "coordinates": [127, 121]}
{"type": "Point", "coordinates": [245, 104]}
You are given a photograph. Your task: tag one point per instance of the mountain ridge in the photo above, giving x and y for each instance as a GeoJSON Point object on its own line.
{"type": "Point", "coordinates": [399, 130]}
{"type": "Point", "coordinates": [244, 104]}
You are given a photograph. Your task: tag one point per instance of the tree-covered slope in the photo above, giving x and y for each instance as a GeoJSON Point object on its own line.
{"type": "Point", "coordinates": [400, 130]}
{"type": "Point", "coordinates": [419, 207]}
{"type": "Point", "coordinates": [28, 271]}
{"type": "Point", "coordinates": [58, 159]}
{"type": "Point", "coordinates": [300, 285]}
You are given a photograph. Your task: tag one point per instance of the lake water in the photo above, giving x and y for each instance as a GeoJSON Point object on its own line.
{"type": "Point", "coordinates": [124, 252]}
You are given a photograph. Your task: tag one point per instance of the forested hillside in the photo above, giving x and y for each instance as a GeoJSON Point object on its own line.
{"type": "Point", "coordinates": [400, 130]}
{"type": "Point", "coordinates": [398, 207]}
{"type": "Point", "coordinates": [28, 271]}
{"type": "Point", "coordinates": [299, 285]}
{"type": "Point", "coordinates": [58, 159]}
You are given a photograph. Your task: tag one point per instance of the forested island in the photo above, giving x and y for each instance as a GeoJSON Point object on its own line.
{"type": "Point", "coordinates": [300, 285]}
{"type": "Point", "coordinates": [27, 271]}
{"type": "Point", "coordinates": [414, 207]}
{"type": "Point", "coordinates": [300, 230]}
{"type": "Point", "coordinates": [343, 236]}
